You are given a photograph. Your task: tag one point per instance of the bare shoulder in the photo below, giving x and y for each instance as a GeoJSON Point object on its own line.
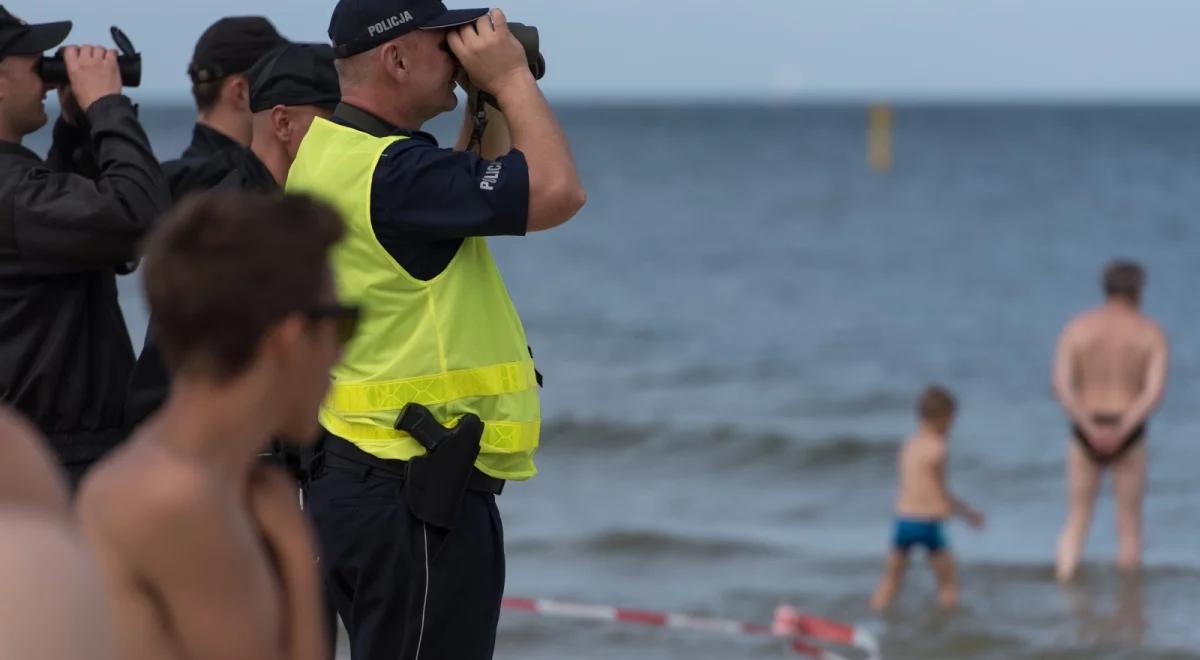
{"type": "Point", "coordinates": [141, 493]}
{"type": "Point", "coordinates": [1154, 331]}
{"type": "Point", "coordinates": [937, 451]}
{"type": "Point", "coordinates": [29, 474]}
{"type": "Point", "coordinates": [924, 450]}
{"type": "Point", "coordinates": [48, 576]}
{"type": "Point", "coordinates": [274, 501]}
{"type": "Point", "coordinates": [1082, 322]}
{"type": "Point", "coordinates": [37, 535]}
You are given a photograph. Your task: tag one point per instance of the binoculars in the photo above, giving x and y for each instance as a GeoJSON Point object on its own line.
{"type": "Point", "coordinates": [528, 36]}
{"type": "Point", "coordinates": [53, 70]}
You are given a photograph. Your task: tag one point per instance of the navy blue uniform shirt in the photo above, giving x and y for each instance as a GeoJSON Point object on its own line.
{"type": "Point", "coordinates": [425, 200]}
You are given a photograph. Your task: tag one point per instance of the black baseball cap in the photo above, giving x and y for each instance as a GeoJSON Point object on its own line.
{"type": "Point", "coordinates": [20, 38]}
{"type": "Point", "coordinates": [360, 25]}
{"type": "Point", "coordinates": [294, 74]}
{"type": "Point", "coordinates": [232, 45]}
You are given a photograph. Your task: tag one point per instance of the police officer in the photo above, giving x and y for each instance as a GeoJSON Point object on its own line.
{"type": "Point", "coordinates": [288, 86]}
{"type": "Point", "coordinates": [439, 328]}
{"type": "Point", "coordinates": [69, 225]}
{"type": "Point", "coordinates": [223, 54]}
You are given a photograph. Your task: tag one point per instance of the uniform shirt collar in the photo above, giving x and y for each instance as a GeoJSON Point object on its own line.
{"type": "Point", "coordinates": [357, 118]}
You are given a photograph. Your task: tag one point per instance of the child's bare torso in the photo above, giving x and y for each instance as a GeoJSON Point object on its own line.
{"type": "Point", "coordinates": [922, 493]}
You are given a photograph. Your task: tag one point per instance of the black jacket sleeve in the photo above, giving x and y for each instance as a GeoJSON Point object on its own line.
{"type": "Point", "coordinates": [71, 149]}
{"type": "Point", "coordinates": [73, 220]}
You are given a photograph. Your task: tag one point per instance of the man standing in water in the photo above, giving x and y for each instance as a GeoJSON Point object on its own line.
{"type": "Point", "coordinates": [1109, 374]}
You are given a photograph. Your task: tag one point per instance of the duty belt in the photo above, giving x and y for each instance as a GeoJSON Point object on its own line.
{"type": "Point", "coordinates": [342, 454]}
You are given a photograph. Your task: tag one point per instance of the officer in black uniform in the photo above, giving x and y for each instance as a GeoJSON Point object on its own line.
{"type": "Point", "coordinates": [223, 55]}
{"type": "Point", "coordinates": [289, 86]}
{"type": "Point", "coordinates": [70, 224]}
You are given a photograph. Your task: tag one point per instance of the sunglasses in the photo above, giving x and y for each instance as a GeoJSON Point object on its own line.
{"type": "Point", "coordinates": [346, 317]}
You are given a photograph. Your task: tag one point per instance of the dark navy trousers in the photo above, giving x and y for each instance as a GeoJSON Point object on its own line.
{"type": "Point", "coordinates": [405, 590]}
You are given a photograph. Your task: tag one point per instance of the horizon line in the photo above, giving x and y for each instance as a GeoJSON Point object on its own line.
{"type": "Point", "coordinates": [184, 99]}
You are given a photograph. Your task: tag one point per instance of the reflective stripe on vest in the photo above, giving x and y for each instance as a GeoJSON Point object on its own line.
{"type": "Point", "coordinates": [429, 390]}
{"type": "Point", "coordinates": [453, 343]}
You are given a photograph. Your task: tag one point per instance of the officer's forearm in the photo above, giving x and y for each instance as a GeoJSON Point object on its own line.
{"type": "Point", "coordinates": [496, 139]}
{"type": "Point", "coordinates": [555, 191]}
{"type": "Point", "coordinates": [128, 169]}
{"type": "Point", "coordinates": [71, 149]}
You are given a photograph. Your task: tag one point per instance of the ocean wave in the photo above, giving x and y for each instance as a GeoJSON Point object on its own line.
{"type": "Point", "coordinates": [721, 448]}
{"type": "Point", "coordinates": [599, 435]}
{"type": "Point", "coordinates": [643, 544]}
{"type": "Point", "coordinates": [1089, 572]}
{"type": "Point", "coordinates": [868, 403]}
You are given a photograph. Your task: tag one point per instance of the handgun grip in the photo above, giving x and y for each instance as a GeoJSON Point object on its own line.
{"type": "Point", "coordinates": [417, 421]}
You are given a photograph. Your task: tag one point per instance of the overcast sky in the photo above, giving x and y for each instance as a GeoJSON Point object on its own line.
{"type": "Point", "coordinates": [766, 49]}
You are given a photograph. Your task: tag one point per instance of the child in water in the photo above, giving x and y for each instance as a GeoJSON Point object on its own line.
{"type": "Point", "coordinates": [924, 503]}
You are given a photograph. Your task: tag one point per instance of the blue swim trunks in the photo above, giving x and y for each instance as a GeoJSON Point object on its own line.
{"type": "Point", "coordinates": [923, 532]}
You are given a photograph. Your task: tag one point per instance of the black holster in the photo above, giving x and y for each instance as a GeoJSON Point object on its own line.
{"type": "Point", "coordinates": [437, 482]}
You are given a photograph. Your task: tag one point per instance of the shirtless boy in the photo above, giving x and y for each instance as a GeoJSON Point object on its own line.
{"type": "Point", "coordinates": [924, 503]}
{"type": "Point", "coordinates": [1109, 374]}
{"type": "Point", "coordinates": [206, 553]}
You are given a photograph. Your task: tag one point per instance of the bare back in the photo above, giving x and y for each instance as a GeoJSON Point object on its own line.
{"type": "Point", "coordinates": [922, 492]}
{"type": "Point", "coordinates": [186, 566]}
{"type": "Point", "coordinates": [1110, 352]}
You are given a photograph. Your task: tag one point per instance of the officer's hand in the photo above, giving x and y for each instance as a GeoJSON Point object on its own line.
{"type": "Point", "coordinates": [68, 106]}
{"type": "Point", "coordinates": [92, 72]}
{"type": "Point", "coordinates": [489, 52]}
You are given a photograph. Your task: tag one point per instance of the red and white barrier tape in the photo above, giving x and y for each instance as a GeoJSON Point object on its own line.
{"type": "Point", "coordinates": [790, 625]}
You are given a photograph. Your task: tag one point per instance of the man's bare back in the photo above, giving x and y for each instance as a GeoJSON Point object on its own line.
{"type": "Point", "coordinates": [188, 564]}
{"type": "Point", "coordinates": [1112, 363]}
{"type": "Point", "coordinates": [1110, 372]}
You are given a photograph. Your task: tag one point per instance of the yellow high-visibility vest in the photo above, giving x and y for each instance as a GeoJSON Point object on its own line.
{"type": "Point", "coordinates": [454, 344]}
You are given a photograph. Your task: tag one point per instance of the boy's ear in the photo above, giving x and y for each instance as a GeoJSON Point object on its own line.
{"type": "Point", "coordinates": [286, 338]}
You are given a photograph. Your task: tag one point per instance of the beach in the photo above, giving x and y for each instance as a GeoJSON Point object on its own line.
{"type": "Point", "coordinates": [735, 329]}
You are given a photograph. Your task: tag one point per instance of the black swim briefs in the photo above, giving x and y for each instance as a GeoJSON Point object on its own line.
{"type": "Point", "coordinates": [1128, 442]}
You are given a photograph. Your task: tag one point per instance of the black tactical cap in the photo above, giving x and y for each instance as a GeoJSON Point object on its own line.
{"type": "Point", "coordinates": [360, 25]}
{"type": "Point", "coordinates": [232, 45]}
{"type": "Point", "coordinates": [294, 74]}
{"type": "Point", "coordinates": [20, 38]}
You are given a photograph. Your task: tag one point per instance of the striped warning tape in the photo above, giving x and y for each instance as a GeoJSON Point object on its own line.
{"type": "Point", "coordinates": [798, 629]}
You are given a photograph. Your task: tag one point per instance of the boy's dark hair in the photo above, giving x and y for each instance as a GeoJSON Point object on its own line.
{"type": "Point", "coordinates": [225, 266]}
{"type": "Point", "coordinates": [1124, 278]}
{"type": "Point", "coordinates": [936, 403]}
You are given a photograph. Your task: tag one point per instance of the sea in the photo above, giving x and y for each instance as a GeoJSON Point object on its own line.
{"type": "Point", "coordinates": [734, 332]}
